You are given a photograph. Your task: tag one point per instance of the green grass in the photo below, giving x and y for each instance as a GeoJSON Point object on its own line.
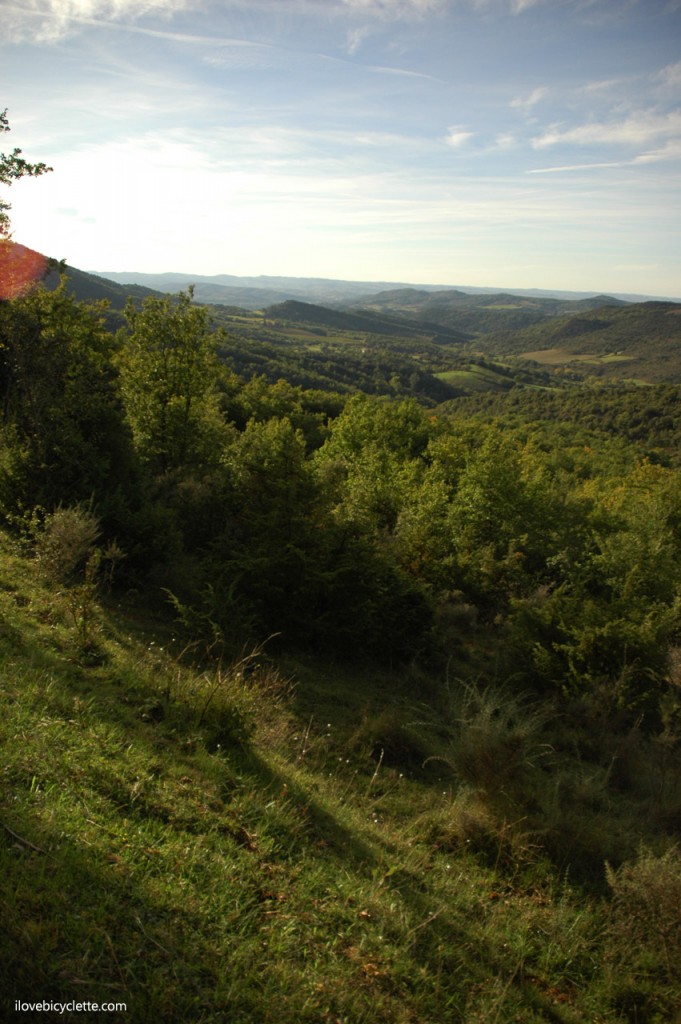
{"type": "Point", "coordinates": [474, 378]}
{"type": "Point", "coordinates": [561, 356]}
{"type": "Point", "coordinates": [303, 843]}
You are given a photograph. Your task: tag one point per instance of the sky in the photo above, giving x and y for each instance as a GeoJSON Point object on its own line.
{"type": "Point", "coordinates": [495, 143]}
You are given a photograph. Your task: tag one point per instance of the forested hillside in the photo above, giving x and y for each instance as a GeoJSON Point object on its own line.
{"type": "Point", "coordinates": [91, 288]}
{"type": "Point", "coordinates": [338, 698]}
{"type": "Point", "coordinates": [641, 341]}
{"type": "Point", "coordinates": [480, 313]}
{"type": "Point", "coordinates": [600, 336]}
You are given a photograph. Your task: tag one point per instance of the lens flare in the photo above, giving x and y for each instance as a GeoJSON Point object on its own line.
{"type": "Point", "coordinates": [20, 268]}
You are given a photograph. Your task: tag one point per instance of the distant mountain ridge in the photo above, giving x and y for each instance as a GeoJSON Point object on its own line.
{"type": "Point", "coordinates": [250, 292]}
{"type": "Point", "coordinates": [427, 341]}
{"type": "Point", "coordinates": [209, 288]}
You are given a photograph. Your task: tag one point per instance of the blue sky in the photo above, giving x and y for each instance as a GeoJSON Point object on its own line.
{"type": "Point", "coordinates": [510, 143]}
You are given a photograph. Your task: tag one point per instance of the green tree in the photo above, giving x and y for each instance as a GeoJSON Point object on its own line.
{"type": "Point", "coordinates": [606, 626]}
{"type": "Point", "coordinates": [169, 371]}
{"type": "Point", "coordinates": [508, 522]}
{"type": "Point", "coordinates": [267, 548]}
{"type": "Point", "coordinates": [373, 459]}
{"type": "Point", "coordinates": [63, 437]}
{"type": "Point", "coordinates": [399, 427]}
{"type": "Point", "coordinates": [281, 561]}
{"type": "Point", "coordinates": [12, 167]}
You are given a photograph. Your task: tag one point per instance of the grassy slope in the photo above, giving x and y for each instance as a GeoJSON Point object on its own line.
{"type": "Point", "coordinates": [227, 846]}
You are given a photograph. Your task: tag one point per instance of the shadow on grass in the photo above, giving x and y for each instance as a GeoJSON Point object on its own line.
{"type": "Point", "coordinates": [91, 918]}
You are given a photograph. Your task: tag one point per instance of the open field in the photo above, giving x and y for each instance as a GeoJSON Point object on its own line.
{"type": "Point", "coordinates": [563, 356]}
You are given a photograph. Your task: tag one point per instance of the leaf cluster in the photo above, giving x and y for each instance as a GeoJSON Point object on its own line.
{"type": "Point", "coordinates": [12, 167]}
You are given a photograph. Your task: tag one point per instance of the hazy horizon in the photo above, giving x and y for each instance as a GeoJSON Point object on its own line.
{"type": "Point", "coordinates": [511, 144]}
{"type": "Point", "coordinates": [188, 276]}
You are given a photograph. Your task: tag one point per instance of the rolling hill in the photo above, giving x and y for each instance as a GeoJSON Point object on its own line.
{"type": "Point", "coordinates": [434, 335]}
{"type": "Point", "coordinates": [373, 323]}
{"type": "Point", "coordinates": [479, 313]}
{"type": "Point", "coordinates": [90, 288]}
{"type": "Point", "coordinates": [641, 341]}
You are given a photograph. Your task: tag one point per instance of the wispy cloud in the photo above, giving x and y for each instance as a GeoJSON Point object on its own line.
{"type": "Point", "coordinates": [47, 21]}
{"type": "Point", "coordinates": [569, 168]}
{"type": "Point", "coordinates": [380, 69]}
{"type": "Point", "coordinates": [670, 75]}
{"type": "Point", "coordinates": [518, 6]}
{"type": "Point", "coordinates": [640, 128]}
{"type": "Point", "coordinates": [526, 103]}
{"type": "Point", "coordinates": [395, 8]}
{"type": "Point", "coordinates": [457, 136]}
{"type": "Point", "coordinates": [670, 151]}
{"type": "Point", "coordinates": [600, 85]}
{"type": "Point", "coordinates": [244, 54]}
{"type": "Point", "coordinates": [355, 38]}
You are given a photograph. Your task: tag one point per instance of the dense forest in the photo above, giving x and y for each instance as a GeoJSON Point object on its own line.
{"type": "Point", "coordinates": [549, 513]}
{"type": "Point", "coordinates": [326, 517]}
{"type": "Point", "coordinates": [477, 584]}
